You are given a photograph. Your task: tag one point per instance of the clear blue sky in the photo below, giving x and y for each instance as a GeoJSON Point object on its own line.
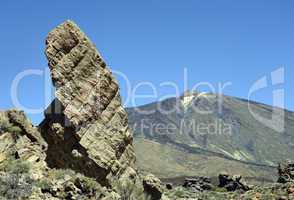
{"type": "Point", "coordinates": [154, 40]}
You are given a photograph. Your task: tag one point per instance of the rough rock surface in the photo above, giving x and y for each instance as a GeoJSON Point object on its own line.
{"type": "Point", "coordinates": [232, 183]}
{"type": "Point", "coordinates": [198, 184]}
{"type": "Point", "coordinates": [153, 187]}
{"type": "Point", "coordinates": [20, 140]}
{"type": "Point", "coordinates": [286, 172]}
{"type": "Point", "coordinates": [86, 126]}
{"type": "Point", "coordinates": [24, 173]}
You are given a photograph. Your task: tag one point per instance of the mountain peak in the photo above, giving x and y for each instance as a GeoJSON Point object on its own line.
{"type": "Point", "coordinates": [189, 93]}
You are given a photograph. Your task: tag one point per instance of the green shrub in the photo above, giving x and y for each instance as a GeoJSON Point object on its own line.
{"type": "Point", "coordinates": [60, 174]}
{"type": "Point", "coordinates": [14, 186]}
{"type": "Point", "coordinates": [220, 190]}
{"type": "Point", "coordinates": [5, 126]}
{"type": "Point", "coordinates": [18, 167]}
{"type": "Point", "coordinates": [178, 193]}
{"type": "Point", "coordinates": [14, 129]}
{"type": "Point", "coordinates": [16, 182]}
{"type": "Point", "coordinates": [129, 190]}
{"type": "Point", "coordinates": [88, 185]}
{"type": "Point", "coordinates": [44, 184]}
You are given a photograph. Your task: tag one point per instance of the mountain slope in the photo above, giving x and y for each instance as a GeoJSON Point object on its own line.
{"type": "Point", "coordinates": [226, 135]}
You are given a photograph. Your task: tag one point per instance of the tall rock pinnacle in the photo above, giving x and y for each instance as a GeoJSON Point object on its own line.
{"type": "Point", "coordinates": [86, 127]}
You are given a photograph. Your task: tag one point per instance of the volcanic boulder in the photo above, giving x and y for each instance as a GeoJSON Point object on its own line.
{"type": "Point", "coordinates": [198, 184]}
{"type": "Point", "coordinates": [232, 183]}
{"type": "Point", "coordinates": [286, 172]}
{"type": "Point", "coordinates": [153, 186]}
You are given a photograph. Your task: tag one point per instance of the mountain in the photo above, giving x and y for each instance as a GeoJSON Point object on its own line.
{"type": "Point", "coordinates": [203, 134]}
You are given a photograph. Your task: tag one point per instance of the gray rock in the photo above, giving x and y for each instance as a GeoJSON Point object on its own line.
{"type": "Point", "coordinates": [232, 183]}
{"type": "Point", "coordinates": [286, 172]}
{"type": "Point", "coordinates": [198, 184]}
{"type": "Point", "coordinates": [169, 186]}
{"type": "Point", "coordinates": [152, 187]}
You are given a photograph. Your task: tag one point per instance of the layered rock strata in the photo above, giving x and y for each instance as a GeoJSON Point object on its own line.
{"type": "Point", "coordinates": [86, 126]}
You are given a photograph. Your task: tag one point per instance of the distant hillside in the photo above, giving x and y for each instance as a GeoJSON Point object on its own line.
{"type": "Point", "coordinates": [173, 139]}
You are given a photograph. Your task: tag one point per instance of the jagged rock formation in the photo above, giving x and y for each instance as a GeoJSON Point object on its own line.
{"type": "Point", "coordinates": [198, 184]}
{"type": "Point", "coordinates": [286, 172]}
{"type": "Point", "coordinates": [86, 126]}
{"type": "Point", "coordinates": [24, 174]}
{"type": "Point", "coordinates": [20, 140]}
{"type": "Point", "coordinates": [232, 183]}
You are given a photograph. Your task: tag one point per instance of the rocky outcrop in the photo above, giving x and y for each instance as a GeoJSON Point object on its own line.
{"type": "Point", "coordinates": [286, 172]}
{"type": "Point", "coordinates": [19, 140]}
{"type": "Point", "coordinates": [153, 187]}
{"type": "Point", "coordinates": [86, 126]}
{"type": "Point", "coordinates": [66, 184]}
{"type": "Point", "coordinates": [24, 173]}
{"type": "Point", "coordinates": [198, 184]}
{"type": "Point", "coordinates": [169, 186]}
{"type": "Point", "coordinates": [232, 183]}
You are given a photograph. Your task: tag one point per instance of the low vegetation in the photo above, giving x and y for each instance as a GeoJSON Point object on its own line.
{"type": "Point", "coordinates": [130, 190]}
{"type": "Point", "coordinates": [6, 126]}
{"type": "Point", "coordinates": [15, 181]}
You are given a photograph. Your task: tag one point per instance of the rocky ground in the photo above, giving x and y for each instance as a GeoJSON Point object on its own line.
{"type": "Point", "coordinates": [268, 192]}
{"type": "Point", "coordinates": [231, 187]}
